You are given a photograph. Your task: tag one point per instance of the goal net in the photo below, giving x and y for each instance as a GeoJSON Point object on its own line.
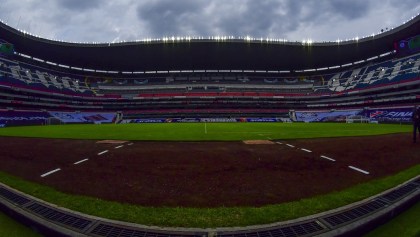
{"type": "Point", "coordinates": [53, 121]}
{"type": "Point", "coordinates": [357, 119]}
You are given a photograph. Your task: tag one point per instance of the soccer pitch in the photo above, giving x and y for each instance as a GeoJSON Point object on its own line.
{"type": "Point", "coordinates": [207, 217]}
{"type": "Point", "coordinates": [204, 131]}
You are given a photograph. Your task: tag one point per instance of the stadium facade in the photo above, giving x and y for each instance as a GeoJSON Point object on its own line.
{"type": "Point", "coordinates": [221, 77]}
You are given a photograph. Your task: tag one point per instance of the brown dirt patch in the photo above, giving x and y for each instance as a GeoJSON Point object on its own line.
{"type": "Point", "coordinates": [111, 142]}
{"type": "Point", "coordinates": [206, 174]}
{"type": "Point", "coordinates": [258, 142]}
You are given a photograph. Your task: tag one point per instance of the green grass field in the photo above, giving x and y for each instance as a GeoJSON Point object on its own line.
{"type": "Point", "coordinates": [209, 217]}
{"type": "Point", "coordinates": [205, 131]}
{"type": "Point", "coordinates": [212, 217]}
{"type": "Point", "coordinates": [11, 228]}
{"type": "Point", "coordinates": [406, 224]}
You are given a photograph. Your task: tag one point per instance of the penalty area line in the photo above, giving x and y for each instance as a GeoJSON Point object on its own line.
{"type": "Point", "coordinates": [50, 172]}
{"type": "Point", "coordinates": [80, 161]}
{"type": "Point", "coordinates": [358, 170]}
{"type": "Point", "coordinates": [327, 158]}
{"type": "Point", "coordinates": [101, 153]}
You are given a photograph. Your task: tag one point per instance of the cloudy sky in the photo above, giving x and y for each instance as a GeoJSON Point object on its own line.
{"type": "Point", "coordinates": [110, 21]}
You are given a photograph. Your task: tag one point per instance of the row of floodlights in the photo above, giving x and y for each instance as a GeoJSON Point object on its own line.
{"type": "Point", "coordinates": [207, 71]}
{"type": "Point", "coordinates": [216, 38]}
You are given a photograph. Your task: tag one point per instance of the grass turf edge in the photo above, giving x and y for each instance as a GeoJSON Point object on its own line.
{"type": "Point", "coordinates": [10, 228]}
{"type": "Point", "coordinates": [405, 224]}
{"type": "Point", "coordinates": [209, 217]}
{"type": "Point", "coordinates": [196, 132]}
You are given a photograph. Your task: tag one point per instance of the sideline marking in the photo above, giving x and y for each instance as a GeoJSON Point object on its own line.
{"type": "Point", "coordinates": [325, 157]}
{"type": "Point", "coordinates": [101, 153]}
{"type": "Point", "coordinates": [359, 170]}
{"type": "Point", "coordinates": [50, 172]}
{"type": "Point", "coordinates": [309, 151]}
{"type": "Point", "coordinates": [289, 145]}
{"type": "Point", "coordinates": [80, 161]}
{"type": "Point", "coordinates": [118, 147]}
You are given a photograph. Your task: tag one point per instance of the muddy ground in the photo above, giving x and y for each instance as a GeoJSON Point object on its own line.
{"type": "Point", "coordinates": [206, 174]}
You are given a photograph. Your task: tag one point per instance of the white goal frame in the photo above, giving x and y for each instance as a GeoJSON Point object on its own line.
{"type": "Point", "coordinates": [357, 119]}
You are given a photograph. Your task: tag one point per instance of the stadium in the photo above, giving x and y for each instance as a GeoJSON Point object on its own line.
{"type": "Point", "coordinates": [218, 136]}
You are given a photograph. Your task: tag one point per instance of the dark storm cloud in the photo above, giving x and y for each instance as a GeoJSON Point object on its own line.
{"type": "Point", "coordinates": [245, 17]}
{"type": "Point", "coordinates": [167, 17]}
{"type": "Point", "coordinates": [235, 17]}
{"type": "Point", "coordinates": [96, 20]}
{"type": "Point", "coordinates": [79, 4]}
{"type": "Point", "coordinates": [351, 9]}
{"type": "Point", "coordinates": [256, 19]}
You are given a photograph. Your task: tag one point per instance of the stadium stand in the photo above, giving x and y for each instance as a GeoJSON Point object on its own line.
{"type": "Point", "coordinates": [369, 85]}
{"type": "Point", "coordinates": [381, 74]}
{"type": "Point", "coordinates": [18, 74]}
{"type": "Point", "coordinates": [345, 79]}
{"type": "Point", "coordinates": [321, 83]}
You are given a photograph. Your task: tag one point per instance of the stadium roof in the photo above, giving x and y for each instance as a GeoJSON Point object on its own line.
{"type": "Point", "coordinates": [220, 53]}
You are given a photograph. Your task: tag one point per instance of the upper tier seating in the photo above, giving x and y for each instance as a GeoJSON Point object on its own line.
{"type": "Point", "coordinates": [381, 74]}
{"type": "Point", "coordinates": [26, 76]}
{"type": "Point", "coordinates": [28, 86]}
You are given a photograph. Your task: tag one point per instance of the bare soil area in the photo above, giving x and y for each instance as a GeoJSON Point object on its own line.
{"type": "Point", "coordinates": [206, 174]}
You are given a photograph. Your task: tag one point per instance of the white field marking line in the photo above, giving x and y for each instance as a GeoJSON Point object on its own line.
{"type": "Point", "coordinates": [309, 151]}
{"type": "Point", "coordinates": [269, 138]}
{"type": "Point", "coordinates": [50, 172]}
{"type": "Point", "coordinates": [80, 161]}
{"type": "Point", "coordinates": [359, 170]}
{"type": "Point", "coordinates": [325, 157]}
{"type": "Point", "coordinates": [101, 153]}
{"type": "Point", "coordinates": [279, 143]}
{"type": "Point", "coordinates": [118, 147]}
{"type": "Point", "coordinates": [129, 144]}
{"type": "Point", "coordinates": [289, 145]}
{"type": "Point", "coordinates": [205, 127]}
{"type": "Point", "coordinates": [259, 133]}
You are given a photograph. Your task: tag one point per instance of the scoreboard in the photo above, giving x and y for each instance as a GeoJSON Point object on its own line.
{"type": "Point", "coordinates": [408, 46]}
{"type": "Point", "coordinates": [6, 48]}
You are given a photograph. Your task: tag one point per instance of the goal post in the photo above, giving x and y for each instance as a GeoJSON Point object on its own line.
{"type": "Point", "coordinates": [357, 119]}
{"type": "Point", "coordinates": [53, 121]}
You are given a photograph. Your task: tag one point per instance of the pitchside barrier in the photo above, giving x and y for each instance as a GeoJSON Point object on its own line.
{"type": "Point", "coordinates": [352, 220]}
{"type": "Point", "coordinates": [208, 120]}
{"type": "Point", "coordinates": [367, 115]}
